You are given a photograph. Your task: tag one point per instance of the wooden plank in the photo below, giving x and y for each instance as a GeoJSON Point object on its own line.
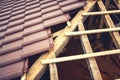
{"type": "Point", "coordinates": [58, 33]}
{"type": "Point", "coordinates": [92, 31]}
{"type": "Point", "coordinates": [109, 23]}
{"type": "Point", "coordinates": [101, 13]}
{"type": "Point", "coordinates": [68, 23]}
{"type": "Point", "coordinates": [92, 64]}
{"type": "Point", "coordinates": [37, 69]}
{"type": "Point", "coordinates": [23, 77]}
{"type": "Point", "coordinates": [82, 56]}
{"type": "Point", "coordinates": [53, 71]}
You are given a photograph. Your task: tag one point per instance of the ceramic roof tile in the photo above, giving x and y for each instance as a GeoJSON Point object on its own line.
{"type": "Point", "coordinates": [13, 70]}
{"type": "Point", "coordinates": [25, 30]}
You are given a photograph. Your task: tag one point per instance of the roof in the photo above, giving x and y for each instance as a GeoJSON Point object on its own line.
{"type": "Point", "coordinates": [25, 27]}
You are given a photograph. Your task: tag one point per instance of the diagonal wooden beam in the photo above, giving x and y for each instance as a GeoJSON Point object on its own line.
{"type": "Point", "coordinates": [23, 77]}
{"type": "Point", "coordinates": [58, 33]}
{"type": "Point", "coordinates": [53, 70]}
{"type": "Point", "coordinates": [38, 69]}
{"type": "Point", "coordinates": [92, 64]}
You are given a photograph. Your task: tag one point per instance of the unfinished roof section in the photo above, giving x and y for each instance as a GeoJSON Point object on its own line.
{"type": "Point", "coordinates": [24, 27]}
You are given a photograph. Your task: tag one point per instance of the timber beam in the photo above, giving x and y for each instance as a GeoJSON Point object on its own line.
{"type": "Point", "coordinates": [92, 31]}
{"type": "Point", "coordinates": [82, 56]}
{"type": "Point", "coordinates": [101, 13]}
{"type": "Point", "coordinates": [91, 62]}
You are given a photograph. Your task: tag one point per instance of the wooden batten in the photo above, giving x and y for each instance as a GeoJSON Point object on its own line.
{"type": "Point", "coordinates": [92, 31]}
{"type": "Point", "coordinates": [82, 56]}
{"type": "Point", "coordinates": [101, 13]}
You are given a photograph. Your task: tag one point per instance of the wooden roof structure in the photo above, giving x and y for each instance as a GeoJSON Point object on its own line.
{"type": "Point", "coordinates": [63, 36]}
{"type": "Point", "coordinates": [21, 20]}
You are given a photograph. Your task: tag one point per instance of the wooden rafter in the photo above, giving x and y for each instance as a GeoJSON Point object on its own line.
{"type": "Point", "coordinates": [37, 69]}
{"type": "Point", "coordinates": [58, 33]}
{"type": "Point", "coordinates": [92, 64]}
{"type": "Point", "coordinates": [53, 71]}
{"type": "Point", "coordinates": [23, 77]}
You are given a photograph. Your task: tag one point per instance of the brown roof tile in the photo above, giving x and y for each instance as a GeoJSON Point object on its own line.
{"type": "Point", "coordinates": [13, 70]}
